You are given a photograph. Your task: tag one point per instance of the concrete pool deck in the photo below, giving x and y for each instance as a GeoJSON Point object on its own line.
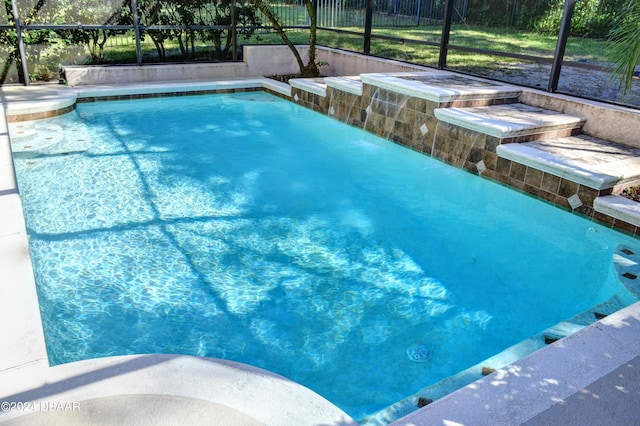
{"type": "Point", "coordinates": [590, 377]}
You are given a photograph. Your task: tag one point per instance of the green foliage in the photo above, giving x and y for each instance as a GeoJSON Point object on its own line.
{"type": "Point", "coordinates": [625, 50]}
{"type": "Point", "coordinates": [522, 14]}
{"type": "Point", "coordinates": [46, 50]}
{"type": "Point", "coordinates": [195, 13]}
{"type": "Point", "coordinates": [591, 18]}
{"type": "Point", "coordinates": [219, 14]}
{"type": "Point", "coordinates": [310, 69]}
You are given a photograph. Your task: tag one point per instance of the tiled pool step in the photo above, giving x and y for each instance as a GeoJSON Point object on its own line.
{"type": "Point", "coordinates": [515, 122]}
{"type": "Point", "coordinates": [586, 160]}
{"type": "Point", "coordinates": [539, 138]}
{"type": "Point", "coordinates": [443, 87]}
{"type": "Point", "coordinates": [592, 162]}
{"type": "Point", "coordinates": [316, 86]}
{"type": "Point", "coordinates": [627, 265]}
{"type": "Point", "coordinates": [496, 362]}
{"type": "Point", "coordinates": [618, 207]}
{"type": "Point", "coordinates": [349, 84]}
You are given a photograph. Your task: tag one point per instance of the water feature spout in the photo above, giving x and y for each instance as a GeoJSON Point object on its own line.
{"type": "Point", "coordinates": [466, 152]}
{"type": "Point", "coordinates": [389, 105]}
{"type": "Point", "coordinates": [369, 109]}
{"type": "Point", "coordinates": [435, 135]}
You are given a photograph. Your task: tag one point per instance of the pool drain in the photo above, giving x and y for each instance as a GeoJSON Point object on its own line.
{"type": "Point", "coordinates": [419, 353]}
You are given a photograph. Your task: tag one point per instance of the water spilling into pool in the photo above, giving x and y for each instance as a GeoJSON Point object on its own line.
{"type": "Point", "coordinates": [247, 228]}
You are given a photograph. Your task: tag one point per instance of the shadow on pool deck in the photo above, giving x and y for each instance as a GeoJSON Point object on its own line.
{"type": "Point", "coordinates": [588, 378]}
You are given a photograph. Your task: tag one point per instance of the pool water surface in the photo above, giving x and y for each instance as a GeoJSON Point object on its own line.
{"type": "Point", "coordinates": [248, 228]}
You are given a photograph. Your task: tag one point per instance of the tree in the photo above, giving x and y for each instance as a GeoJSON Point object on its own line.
{"type": "Point", "coordinates": [310, 69]}
{"type": "Point", "coordinates": [94, 39]}
{"type": "Point", "coordinates": [9, 40]}
{"type": "Point", "coordinates": [194, 13]}
{"type": "Point", "coordinates": [625, 36]}
{"type": "Point", "coordinates": [218, 14]}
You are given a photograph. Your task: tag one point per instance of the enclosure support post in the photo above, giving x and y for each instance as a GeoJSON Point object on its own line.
{"type": "Point", "coordinates": [23, 56]}
{"type": "Point", "coordinates": [446, 29]}
{"type": "Point", "coordinates": [565, 26]}
{"type": "Point", "coordinates": [234, 33]}
{"type": "Point", "coordinates": [368, 23]}
{"type": "Point", "coordinates": [136, 27]}
{"type": "Point", "coordinates": [514, 10]}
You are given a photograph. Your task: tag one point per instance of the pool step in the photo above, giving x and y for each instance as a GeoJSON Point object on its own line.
{"type": "Point", "coordinates": [627, 265]}
{"type": "Point", "coordinates": [605, 166]}
{"type": "Point", "coordinates": [497, 362]}
{"type": "Point", "coordinates": [349, 84]}
{"type": "Point", "coordinates": [442, 87]}
{"type": "Point", "coordinates": [515, 122]}
{"type": "Point", "coordinates": [445, 88]}
{"type": "Point", "coordinates": [618, 207]}
{"type": "Point", "coordinates": [317, 86]}
{"type": "Point", "coordinates": [589, 161]}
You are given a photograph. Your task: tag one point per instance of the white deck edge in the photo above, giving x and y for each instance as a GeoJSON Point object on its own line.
{"type": "Point", "coordinates": [310, 85]}
{"type": "Point", "coordinates": [530, 386]}
{"type": "Point", "coordinates": [618, 207]}
{"type": "Point", "coordinates": [264, 396]}
{"type": "Point", "coordinates": [541, 160]}
{"type": "Point", "coordinates": [183, 86]}
{"type": "Point", "coordinates": [469, 118]}
{"type": "Point", "coordinates": [51, 98]}
{"type": "Point", "coordinates": [22, 344]}
{"type": "Point", "coordinates": [351, 85]}
{"type": "Point", "coordinates": [395, 82]}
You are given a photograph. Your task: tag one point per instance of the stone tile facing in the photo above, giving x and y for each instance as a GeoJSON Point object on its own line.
{"type": "Point", "coordinates": [410, 121]}
{"type": "Point", "coordinates": [171, 94]}
{"type": "Point", "coordinates": [40, 115]}
{"type": "Point", "coordinates": [310, 100]}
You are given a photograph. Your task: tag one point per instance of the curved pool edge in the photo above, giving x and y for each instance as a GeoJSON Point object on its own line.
{"type": "Point", "coordinates": [237, 393]}
{"type": "Point", "coordinates": [550, 382]}
{"type": "Point", "coordinates": [194, 387]}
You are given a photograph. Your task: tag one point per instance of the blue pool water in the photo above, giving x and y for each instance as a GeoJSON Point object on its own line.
{"type": "Point", "coordinates": [245, 227]}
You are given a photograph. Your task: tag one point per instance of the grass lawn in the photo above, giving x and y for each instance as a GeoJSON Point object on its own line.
{"type": "Point", "coordinates": [405, 47]}
{"type": "Point", "coordinates": [501, 40]}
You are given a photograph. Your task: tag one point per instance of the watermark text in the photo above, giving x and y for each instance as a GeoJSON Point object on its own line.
{"type": "Point", "coordinates": [33, 406]}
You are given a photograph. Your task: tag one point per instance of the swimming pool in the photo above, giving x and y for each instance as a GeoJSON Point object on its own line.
{"type": "Point", "coordinates": [245, 227]}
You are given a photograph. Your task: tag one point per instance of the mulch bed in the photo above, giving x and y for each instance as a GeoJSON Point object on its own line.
{"type": "Point", "coordinates": [632, 193]}
{"type": "Point", "coordinates": [284, 78]}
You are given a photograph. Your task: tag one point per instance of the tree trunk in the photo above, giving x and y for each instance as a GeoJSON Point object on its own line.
{"type": "Point", "coordinates": [310, 69]}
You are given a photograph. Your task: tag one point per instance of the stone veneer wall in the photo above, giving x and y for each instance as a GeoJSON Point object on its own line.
{"type": "Point", "coordinates": [410, 121]}
{"type": "Point", "coordinates": [40, 115]}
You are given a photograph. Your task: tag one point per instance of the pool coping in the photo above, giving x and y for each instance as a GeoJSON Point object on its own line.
{"type": "Point", "coordinates": [517, 393]}
{"type": "Point", "coordinates": [399, 83]}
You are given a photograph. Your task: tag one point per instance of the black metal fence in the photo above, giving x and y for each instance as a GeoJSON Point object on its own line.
{"type": "Point", "coordinates": [37, 37]}
{"type": "Point", "coordinates": [388, 13]}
